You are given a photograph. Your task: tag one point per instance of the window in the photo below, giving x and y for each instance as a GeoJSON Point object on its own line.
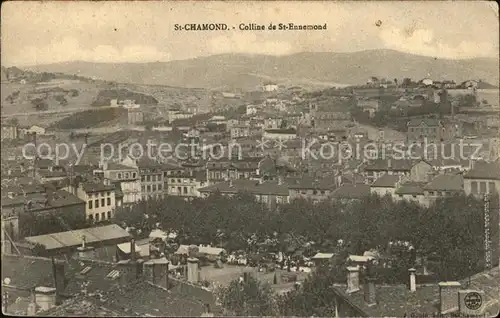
{"type": "Point", "coordinates": [109, 215]}
{"type": "Point", "coordinates": [109, 201]}
{"type": "Point", "coordinates": [159, 187]}
{"type": "Point", "coordinates": [109, 194]}
{"type": "Point", "coordinates": [97, 217]}
{"type": "Point", "coordinates": [143, 188]}
{"type": "Point", "coordinates": [414, 196]}
{"type": "Point", "coordinates": [154, 187]}
{"type": "Point", "coordinates": [143, 178]}
{"type": "Point", "coordinates": [103, 202]}
{"type": "Point", "coordinates": [119, 175]}
{"type": "Point", "coordinates": [179, 181]}
{"type": "Point", "coordinates": [90, 204]}
{"type": "Point", "coordinates": [491, 187]}
{"type": "Point", "coordinates": [482, 187]}
{"type": "Point", "coordinates": [148, 188]}
{"type": "Point", "coordinates": [148, 178]}
{"type": "Point", "coordinates": [127, 175]}
{"type": "Point", "coordinates": [96, 203]}
{"type": "Point", "coordinates": [91, 217]}
{"type": "Point", "coordinates": [185, 190]}
{"type": "Point", "coordinates": [103, 216]}
{"type": "Point", "coordinates": [134, 175]}
{"type": "Point", "coordinates": [473, 186]}
{"type": "Point", "coordinates": [179, 190]}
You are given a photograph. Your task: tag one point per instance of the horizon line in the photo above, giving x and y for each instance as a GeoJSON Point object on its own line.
{"type": "Point", "coordinates": [250, 54]}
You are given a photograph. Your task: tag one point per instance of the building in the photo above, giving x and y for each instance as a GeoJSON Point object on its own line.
{"type": "Point", "coordinates": [125, 177]}
{"type": "Point", "coordinates": [411, 192]}
{"type": "Point", "coordinates": [9, 132]}
{"type": "Point", "coordinates": [135, 116]}
{"type": "Point", "coordinates": [386, 185]}
{"type": "Point", "coordinates": [365, 298]}
{"type": "Point", "coordinates": [186, 183]}
{"type": "Point", "coordinates": [270, 87]}
{"type": "Point", "coordinates": [419, 129]}
{"type": "Point", "coordinates": [251, 110]}
{"type": "Point", "coordinates": [376, 168]}
{"type": "Point", "coordinates": [483, 178]}
{"type": "Point", "coordinates": [444, 185]}
{"type": "Point", "coordinates": [369, 105]}
{"type": "Point", "coordinates": [349, 192]}
{"type": "Point", "coordinates": [280, 134]}
{"type": "Point", "coordinates": [222, 170]}
{"type": "Point", "coordinates": [152, 179]}
{"type": "Point", "coordinates": [315, 189]}
{"type": "Point", "coordinates": [100, 200]}
{"type": "Point", "coordinates": [269, 193]}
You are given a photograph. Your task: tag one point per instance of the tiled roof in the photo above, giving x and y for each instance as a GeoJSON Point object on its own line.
{"type": "Point", "coordinates": [119, 166]}
{"type": "Point", "coordinates": [350, 191]}
{"type": "Point", "coordinates": [446, 182]}
{"type": "Point", "coordinates": [386, 181]}
{"type": "Point", "coordinates": [431, 122]}
{"type": "Point", "coordinates": [308, 182]}
{"type": "Point", "coordinates": [74, 238]}
{"type": "Point", "coordinates": [395, 300]}
{"type": "Point", "coordinates": [483, 170]}
{"type": "Point", "coordinates": [252, 186]}
{"type": "Point", "coordinates": [97, 187]}
{"type": "Point", "coordinates": [411, 188]}
{"type": "Point", "coordinates": [389, 164]}
{"type": "Point", "coordinates": [27, 272]}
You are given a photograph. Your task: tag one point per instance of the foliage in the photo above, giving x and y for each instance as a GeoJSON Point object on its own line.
{"type": "Point", "coordinates": [105, 96]}
{"type": "Point", "coordinates": [88, 117]}
{"type": "Point", "coordinates": [39, 104]}
{"type": "Point", "coordinates": [31, 224]}
{"type": "Point", "coordinates": [451, 227]}
{"type": "Point", "coordinates": [247, 298]}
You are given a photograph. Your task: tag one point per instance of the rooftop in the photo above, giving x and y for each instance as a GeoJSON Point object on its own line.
{"type": "Point", "coordinates": [97, 187]}
{"type": "Point", "coordinates": [413, 188]}
{"type": "Point", "coordinates": [352, 191]}
{"type": "Point", "coordinates": [386, 181]}
{"type": "Point", "coordinates": [446, 182]}
{"type": "Point", "coordinates": [71, 239]}
{"type": "Point", "coordinates": [484, 170]}
{"type": "Point", "coordinates": [252, 186]}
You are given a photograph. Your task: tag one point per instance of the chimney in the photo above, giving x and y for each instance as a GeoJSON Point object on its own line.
{"type": "Point", "coordinates": [352, 279]}
{"type": "Point", "coordinates": [192, 269]}
{"type": "Point", "coordinates": [413, 280]}
{"type": "Point", "coordinates": [45, 297]}
{"type": "Point", "coordinates": [132, 250]}
{"type": "Point", "coordinates": [85, 251]}
{"type": "Point", "coordinates": [59, 273]}
{"type": "Point", "coordinates": [32, 307]}
{"type": "Point", "coordinates": [448, 294]}
{"type": "Point", "coordinates": [159, 273]}
{"type": "Point", "coordinates": [369, 290]}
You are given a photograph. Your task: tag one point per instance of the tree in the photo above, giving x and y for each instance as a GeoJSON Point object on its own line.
{"type": "Point", "coordinates": [247, 298]}
{"type": "Point", "coordinates": [407, 82]}
{"type": "Point", "coordinates": [39, 104]}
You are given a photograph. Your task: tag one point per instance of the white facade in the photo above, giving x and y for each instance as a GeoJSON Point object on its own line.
{"type": "Point", "coordinates": [99, 205]}
{"type": "Point", "coordinates": [270, 87]}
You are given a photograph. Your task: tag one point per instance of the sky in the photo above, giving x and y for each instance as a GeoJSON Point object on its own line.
{"type": "Point", "coordinates": [34, 33]}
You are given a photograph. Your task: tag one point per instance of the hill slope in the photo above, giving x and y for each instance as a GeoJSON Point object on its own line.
{"type": "Point", "coordinates": [240, 71]}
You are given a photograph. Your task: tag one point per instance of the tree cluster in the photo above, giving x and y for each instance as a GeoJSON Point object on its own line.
{"type": "Point", "coordinates": [450, 232]}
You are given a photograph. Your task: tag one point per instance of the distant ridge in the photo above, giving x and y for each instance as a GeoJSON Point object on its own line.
{"type": "Point", "coordinates": [246, 71]}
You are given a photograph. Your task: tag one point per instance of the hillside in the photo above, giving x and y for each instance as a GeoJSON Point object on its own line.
{"type": "Point", "coordinates": [240, 71]}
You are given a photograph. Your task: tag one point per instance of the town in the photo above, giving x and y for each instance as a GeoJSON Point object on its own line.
{"type": "Point", "coordinates": [379, 198]}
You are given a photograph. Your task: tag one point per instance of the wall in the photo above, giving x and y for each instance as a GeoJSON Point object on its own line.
{"type": "Point", "coordinates": [383, 191]}
{"type": "Point", "coordinates": [486, 185]}
{"type": "Point", "coordinates": [107, 209]}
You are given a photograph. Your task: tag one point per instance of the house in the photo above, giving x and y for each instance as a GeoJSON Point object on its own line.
{"type": "Point", "coordinates": [9, 132]}
{"type": "Point", "coordinates": [152, 179]}
{"type": "Point", "coordinates": [270, 87]}
{"type": "Point", "coordinates": [186, 183]}
{"type": "Point", "coordinates": [483, 178]}
{"type": "Point", "coordinates": [222, 170]}
{"type": "Point", "coordinates": [280, 134]}
{"type": "Point", "coordinates": [251, 110]}
{"type": "Point", "coordinates": [135, 116]}
{"type": "Point", "coordinates": [385, 185]}
{"type": "Point", "coordinates": [348, 192]}
{"type": "Point", "coordinates": [41, 287]}
{"type": "Point", "coordinates": [35, 130]}
{"type": "Point", "coordinates": [126, 177]}
{"type": "Point", "coordinates": [419, 129]}
{"type": "Point", "coordinates": [378, 167]}
{"type": "Point", "coordinates": [444, 185]}
{"type": "Point", "coordinates": [369, 105]}
{"type": "Point", "coordinates": [315, 189]}
{"type": "Point", "coordinates": [411, 191]}
{"type": "Point", "coordinates": [239, 131]}
{"type": "Point", "coordinates": [365, 298]}
{"type": "Point", "coordinates": [269, 193]}
{"type": "Point", "coordinates": [99, 198]}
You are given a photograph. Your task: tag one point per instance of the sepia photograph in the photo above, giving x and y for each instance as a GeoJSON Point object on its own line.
{"type": "Point", "coordinates": [250, 158]}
